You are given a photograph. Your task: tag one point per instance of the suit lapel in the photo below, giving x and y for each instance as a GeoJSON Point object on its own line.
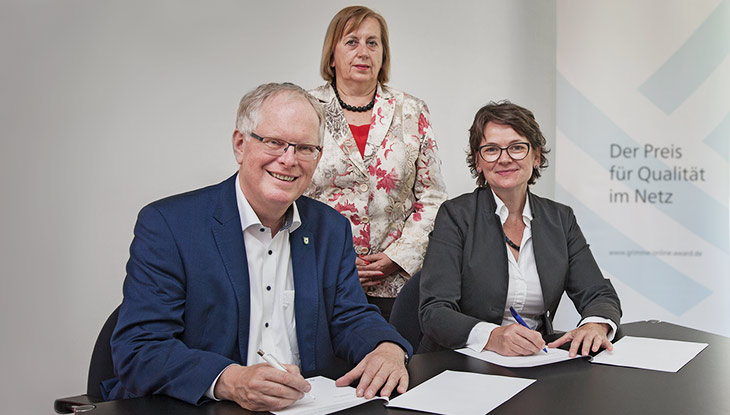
{"type": "Point", "coordinates": [544, 247]}
{"type": "Point", "coordinates": [379, 123]}
{"type": "Point", "coordinates": [229, 239]}
{"type": "Point", "coordinates": [339, 129]}
{"type": "Point", "coordinates": [494, 242]}
{"type": "Point", "coordinates": [306, 306]}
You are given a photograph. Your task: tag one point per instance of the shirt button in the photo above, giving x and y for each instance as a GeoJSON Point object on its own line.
{"type": "Point", "coordinates": [363, 250]}
{"type": "Point", "coordinates": [267, 324]}
{"type": "Point", "coordinates": [365, 219]}
{"type": "Point", "coordinates": [270, 252]}
{"type": "Point", "coordinates": [262, 230]}
{"type": "Point", "coordinates": [363, 187]}
{"type": "Point", "coordinates": [268, 288]}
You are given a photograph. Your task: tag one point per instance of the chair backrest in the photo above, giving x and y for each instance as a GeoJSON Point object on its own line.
{"type": "Point", "coordinates": [404, 315]}
{"type": "Point", "coordinates": [101, 367]}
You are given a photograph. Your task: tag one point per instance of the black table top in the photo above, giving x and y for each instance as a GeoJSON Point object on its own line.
{"type": "Point", "coordinates": [571, 387]}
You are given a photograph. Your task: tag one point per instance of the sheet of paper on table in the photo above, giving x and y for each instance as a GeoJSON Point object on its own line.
{"type": "Point", "coordinates": [537, 359]}
{"type": "Point", "coordinates": [460, 393]}
{"type": "Point", "coordinates": [328, 398]}
{"type": "Point", "coordinates": [648, 353]}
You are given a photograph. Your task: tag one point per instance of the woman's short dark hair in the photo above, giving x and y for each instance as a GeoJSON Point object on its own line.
{"type": "Point", "coordinates": [514, 116]}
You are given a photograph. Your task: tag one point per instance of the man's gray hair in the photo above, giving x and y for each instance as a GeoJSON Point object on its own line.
{"type": "Point", "coordinates": [247, 118]}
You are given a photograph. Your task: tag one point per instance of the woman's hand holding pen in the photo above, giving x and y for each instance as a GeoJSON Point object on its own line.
{"type": "Point", "coordinates": [373, 268]}
{"type": "Point", "coordinates": [515, 340]}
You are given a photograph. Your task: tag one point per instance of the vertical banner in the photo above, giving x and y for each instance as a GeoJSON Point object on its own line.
{"type": "Point", "coordinates": [642, 150]}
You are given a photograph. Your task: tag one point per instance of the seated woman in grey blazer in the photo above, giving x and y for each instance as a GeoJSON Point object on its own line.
{"type": "Point", "coordinates": [502, 247]}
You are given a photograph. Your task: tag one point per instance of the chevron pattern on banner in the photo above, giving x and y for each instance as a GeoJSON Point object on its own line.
{"type": "Point", "coordinates": [690, 66]}
{"type": "Point", "coordinates": [679, 291]}
{"type": "Point", "coordinates": [643, 150]}
{"type": "Point", "coordinates": [581, 121]}
{"type": "Point", "coordinates": [719, 140]}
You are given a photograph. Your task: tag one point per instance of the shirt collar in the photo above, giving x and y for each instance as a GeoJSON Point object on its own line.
{"type": "Point", "coordinates": [249, 218]}
{"type": "Point", "coordinates": [503, 212]}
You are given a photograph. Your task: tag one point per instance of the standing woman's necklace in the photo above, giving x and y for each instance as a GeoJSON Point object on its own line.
{"type": "Point", "coordinates": [348, 107]}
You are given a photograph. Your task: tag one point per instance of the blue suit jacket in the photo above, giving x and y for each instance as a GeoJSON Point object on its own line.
{"type": "Point", "coordinates": [185, 314]}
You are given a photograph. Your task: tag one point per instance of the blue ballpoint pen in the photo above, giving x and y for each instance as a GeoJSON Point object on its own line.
{"type": "Point", "coordinates": [521, 321]}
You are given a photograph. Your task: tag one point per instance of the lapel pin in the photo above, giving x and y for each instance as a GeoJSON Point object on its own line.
{"type": "Point", "coordinates": [306, 240]}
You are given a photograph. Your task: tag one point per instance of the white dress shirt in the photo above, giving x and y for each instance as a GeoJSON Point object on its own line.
{"type": "Point", "coordinates": [524, 291]}
{"type": "Point", "coordinates": [272, 324]}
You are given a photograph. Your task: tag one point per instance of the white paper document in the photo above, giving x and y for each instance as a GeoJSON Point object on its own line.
{"type": "Point", "coordinates": [460, 393]}
{"type": "Point", "coordinates": [328, 398]}
{"type": "Point", "coordinates": [537, 359]}
{"type": "Point", "coordinates": [648, 353]}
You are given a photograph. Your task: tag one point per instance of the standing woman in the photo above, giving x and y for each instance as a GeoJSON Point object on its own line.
{"type": "Point", "coordinates": [503, 247]}
{"type": "Point", "coordinates": [380, 166]}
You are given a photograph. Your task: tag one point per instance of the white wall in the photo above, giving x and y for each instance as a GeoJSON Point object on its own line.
{"type": "Point", "coordinates": [107, 106]}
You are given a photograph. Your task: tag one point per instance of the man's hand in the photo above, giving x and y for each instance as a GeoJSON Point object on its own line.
{"type": "Point", "coordinates": [372, 268]}
{"type": "Point", "coordinates": [515, 340]}
{"type": "Point", "coordinates": [383, 367]}
{"type": "Point", "coordinates": [261, 387]}
{"type": "Point", "coordinates": [592, 336]}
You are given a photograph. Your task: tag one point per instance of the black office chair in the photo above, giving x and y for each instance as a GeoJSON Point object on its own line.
{"type": "Point", "coordinates": [404, 315]}
{"type": "Point", "coordinates": [100, 369]}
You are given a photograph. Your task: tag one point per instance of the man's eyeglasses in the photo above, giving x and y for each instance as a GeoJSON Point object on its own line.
{"type": "Point", "coordinates": [491, 152]}
{"type": "Point", "coordinates": [277, 147]}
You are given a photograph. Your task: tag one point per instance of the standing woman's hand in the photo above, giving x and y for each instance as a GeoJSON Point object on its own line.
{"type": "Point", "coordinates": [373, 268]}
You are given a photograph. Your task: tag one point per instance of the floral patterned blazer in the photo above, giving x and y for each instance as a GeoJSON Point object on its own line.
{"type": "Point", "coordinates": [391, 194]}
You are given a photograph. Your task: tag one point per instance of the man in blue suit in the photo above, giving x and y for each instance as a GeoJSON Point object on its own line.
{"type": "Point", "coordinates": [218, 273]}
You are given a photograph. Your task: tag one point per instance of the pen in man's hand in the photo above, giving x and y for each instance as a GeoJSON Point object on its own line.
{"type": "Point", "coordinates": [274, 362]}
{"type": "Point", "coordinates": [521, 321]}
{"type": "Point", "coordinates": [270, 359]}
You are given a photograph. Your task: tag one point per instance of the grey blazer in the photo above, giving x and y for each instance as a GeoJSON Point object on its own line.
{"type": "Point", "coordinates": [465, 273]}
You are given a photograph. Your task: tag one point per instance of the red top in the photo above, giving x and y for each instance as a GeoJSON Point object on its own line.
{"type": "Point", "coordinates": [360, 132]}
